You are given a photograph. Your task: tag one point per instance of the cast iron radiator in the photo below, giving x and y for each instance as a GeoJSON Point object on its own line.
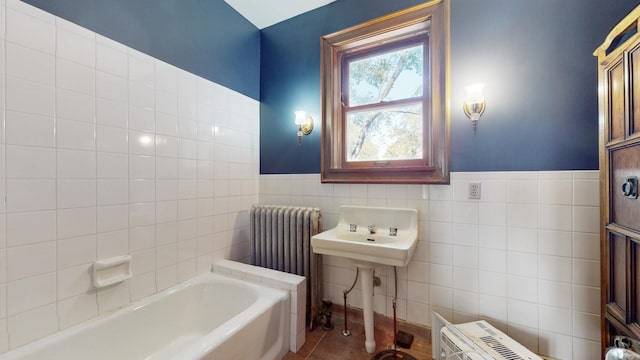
{"type": "Point", "coordinates": [281, 240]}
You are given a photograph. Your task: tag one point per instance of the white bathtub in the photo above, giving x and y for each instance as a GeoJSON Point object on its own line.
{"type": "Point", "coordinates": [208, 317]}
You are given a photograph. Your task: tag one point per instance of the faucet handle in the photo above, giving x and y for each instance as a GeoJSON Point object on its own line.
{"type": "Point", "coordinates": [372, 229]}
{"type": "Point", "coordinates": [353, 227]}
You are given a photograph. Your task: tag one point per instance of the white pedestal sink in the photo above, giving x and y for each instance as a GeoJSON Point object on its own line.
{"type": "Point", "coordinates": [370, 236]}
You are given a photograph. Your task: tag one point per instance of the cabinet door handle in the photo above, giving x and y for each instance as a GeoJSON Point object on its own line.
{"type": "Point", "coordinates": [630, 187]}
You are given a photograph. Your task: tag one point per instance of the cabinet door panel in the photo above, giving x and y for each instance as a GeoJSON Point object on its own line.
{"type": "Point", "coordinates": [634, 290]}
{"type": "Point", "coordinates": [625, 163]}
{"type": "Point", "coordinates": [617, 299]}
{"type": "Point", "coordinates": [616, 102]}
{"type": "Point", "coordinates": [634, 71]}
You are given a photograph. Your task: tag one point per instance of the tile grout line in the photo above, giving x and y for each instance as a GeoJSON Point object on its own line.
{"type": "Point", "coordinates": [316, 346]}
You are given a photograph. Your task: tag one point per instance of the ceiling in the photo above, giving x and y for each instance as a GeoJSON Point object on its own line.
{"type": "Point", "coordinates": [263, 13]}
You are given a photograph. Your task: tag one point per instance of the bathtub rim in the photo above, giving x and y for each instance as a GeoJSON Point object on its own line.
{"type": "Point", "coordinates": [271, 296]}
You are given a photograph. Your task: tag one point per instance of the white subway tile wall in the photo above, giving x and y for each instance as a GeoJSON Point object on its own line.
{"type": "Point", "coordinates": [106, 151]}
{"type": "Point", "coordinates": [524, 257]}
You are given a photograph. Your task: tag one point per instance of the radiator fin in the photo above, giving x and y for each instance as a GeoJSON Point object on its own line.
{"type": "Point", "coordinates": [280, 238]}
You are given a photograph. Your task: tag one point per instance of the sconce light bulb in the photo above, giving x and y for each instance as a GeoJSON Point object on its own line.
{"type": "Point", "coordinates": [301, 118]}
{"type": "Point", "coordinates": [304, 122]}
{"type": "Point", "coordinates": [474, 103]}
{"type": "Point", "coordinates": [474, 93]}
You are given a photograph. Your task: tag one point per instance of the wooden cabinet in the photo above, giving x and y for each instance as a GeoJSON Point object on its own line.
{"type": "Point", "coordinates": [619, 119]}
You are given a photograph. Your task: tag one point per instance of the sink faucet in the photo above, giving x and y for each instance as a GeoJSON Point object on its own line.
{"type": "Point", "coordinates": [372, 229]}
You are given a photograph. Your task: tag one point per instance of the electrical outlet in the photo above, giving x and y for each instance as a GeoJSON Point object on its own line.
{"type": "Point", "coordinates": [474, 191]}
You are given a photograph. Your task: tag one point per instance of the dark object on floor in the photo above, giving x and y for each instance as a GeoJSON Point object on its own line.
{"type": "Point", "coordinates": [324, 315]}
{"type": "Point", "coordinates": [392, 354]}
{"type": "Point", "coordinates": [404, 340]}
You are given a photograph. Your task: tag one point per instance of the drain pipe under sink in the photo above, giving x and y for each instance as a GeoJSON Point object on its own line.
{"type": "Point", "coordinates": [346, 331]}
{"type": "Point", "coordinates": [395, 299]}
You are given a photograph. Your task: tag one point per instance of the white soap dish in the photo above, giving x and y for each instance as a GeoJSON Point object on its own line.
{"type": "Point", "coordinates": [111, 271]}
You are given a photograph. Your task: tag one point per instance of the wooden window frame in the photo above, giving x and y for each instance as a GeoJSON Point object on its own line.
{"type": "Point", "coordinates": [400, 27]}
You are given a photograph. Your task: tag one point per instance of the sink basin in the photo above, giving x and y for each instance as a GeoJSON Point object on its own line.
{"type": "Point", "coordinates": [392, 243]}
{"type": "Point", "coordinates": [362, 245]}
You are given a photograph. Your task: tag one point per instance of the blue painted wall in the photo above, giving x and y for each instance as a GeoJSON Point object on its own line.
{"type": "Point", "coordinates": [535, 58]}
{"type": "Point", "coordinates": [205, 37]}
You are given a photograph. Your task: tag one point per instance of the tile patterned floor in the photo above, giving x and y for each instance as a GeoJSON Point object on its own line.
{"type": "Point", "coordinates": [332, 345]}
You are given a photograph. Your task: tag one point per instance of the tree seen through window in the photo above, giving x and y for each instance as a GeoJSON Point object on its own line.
{"type": "Point", "coordinates": [391, 82]}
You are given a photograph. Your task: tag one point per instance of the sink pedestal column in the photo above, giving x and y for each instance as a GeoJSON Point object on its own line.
{"type": "Point", "coordinates": [366, 280]}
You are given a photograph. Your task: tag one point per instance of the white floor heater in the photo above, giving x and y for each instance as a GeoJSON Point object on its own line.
{"type": "Point", "coordinates": [477, 340]}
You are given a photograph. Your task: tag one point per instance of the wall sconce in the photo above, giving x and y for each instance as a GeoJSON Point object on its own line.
{"type": "Point", "coordinates": [304, 122]}
{"type": "Point", "coordinates": [474, 103]}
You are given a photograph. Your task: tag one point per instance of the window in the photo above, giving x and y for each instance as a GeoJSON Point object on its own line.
{"type": "Point", "coordinates": [383, 99]}
{"type": "Point", "coordinates": [383, 91]}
